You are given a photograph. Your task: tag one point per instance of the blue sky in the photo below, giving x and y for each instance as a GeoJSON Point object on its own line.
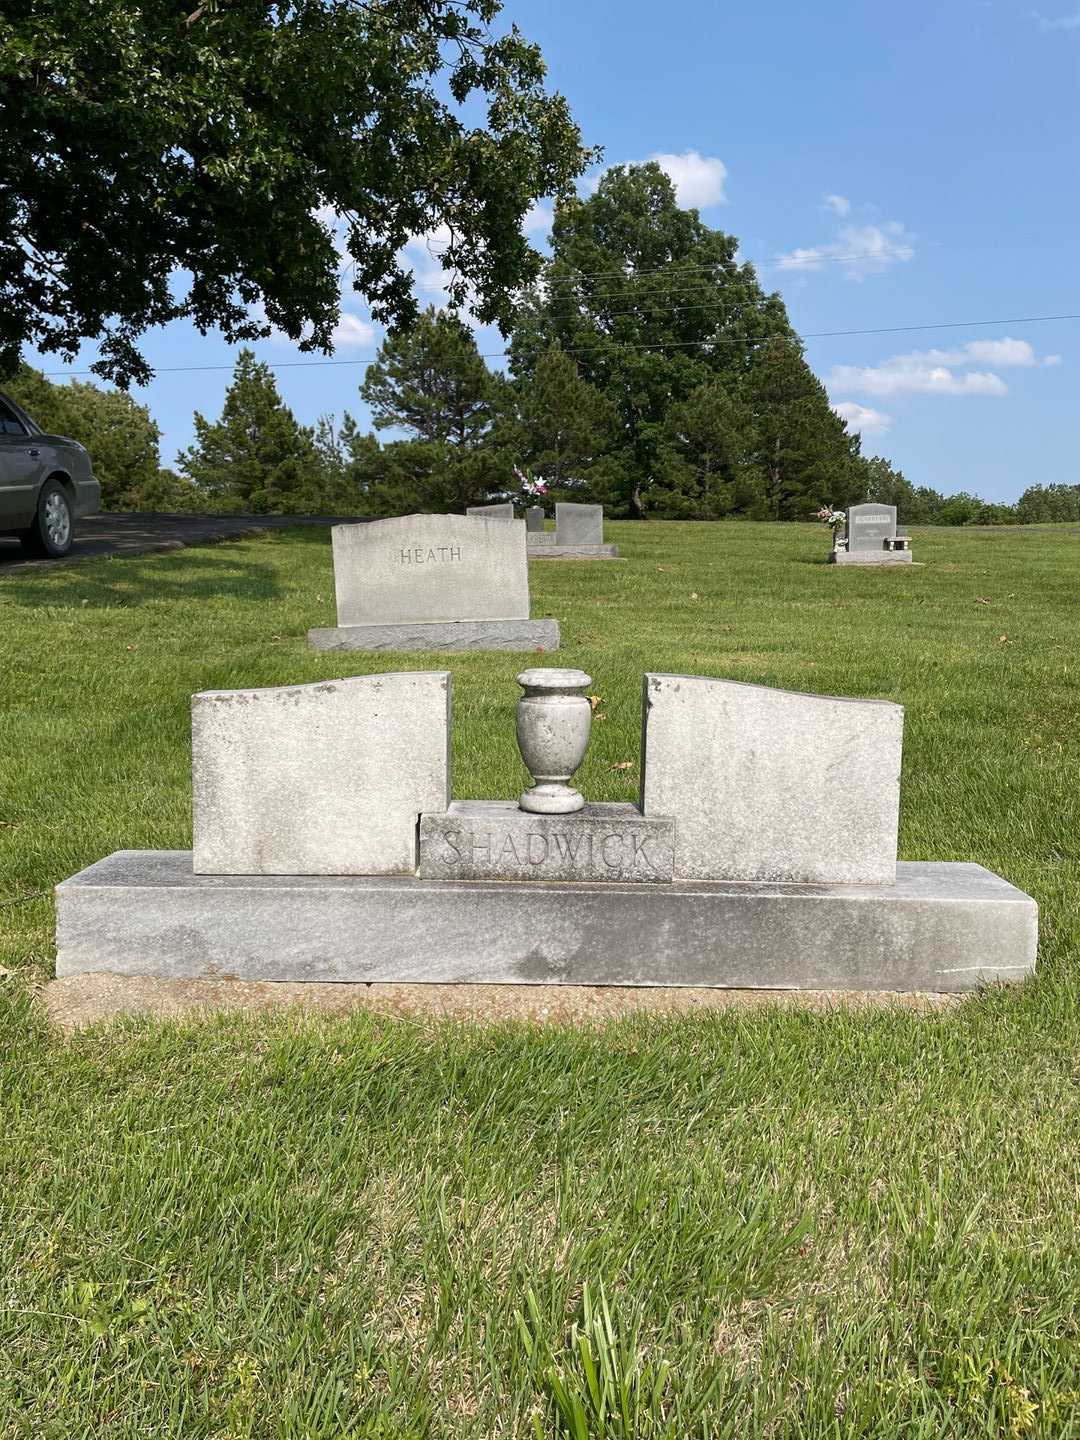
{"type": "Point", "coordinates": [884, 166]}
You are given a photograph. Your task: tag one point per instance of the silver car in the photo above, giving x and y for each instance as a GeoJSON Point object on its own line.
{"type": "Point", "coordinates": [46, 483]}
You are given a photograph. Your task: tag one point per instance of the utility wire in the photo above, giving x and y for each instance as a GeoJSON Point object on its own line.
{"type": "Point", "coordinates": [662, 345]}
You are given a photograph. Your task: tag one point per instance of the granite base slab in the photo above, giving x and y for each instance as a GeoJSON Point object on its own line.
{"type": "Point", "coordinates": [441, 635]}
{"type": "Point", "coordinates": [893, 557]}
{"type": "Point", "coordinates": [573, 552]}
{"type": "Point", "coordinates": [940, 928]}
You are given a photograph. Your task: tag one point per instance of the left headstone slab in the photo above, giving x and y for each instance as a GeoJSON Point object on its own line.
{"type": "Point", "coordinates": [323, 779]}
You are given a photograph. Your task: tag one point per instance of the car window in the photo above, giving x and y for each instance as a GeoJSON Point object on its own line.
{"type": "Point", "coordinates": [10, 424]}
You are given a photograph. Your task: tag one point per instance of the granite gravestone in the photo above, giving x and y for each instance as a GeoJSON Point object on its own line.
{"type": "Point", "coordinates": [869, 526]}
{"type": "Point", "coordinates": [579, 524]}
{"type": "Point", "coordinates": [507, 896]}
{"type": "Point", "coordinates": [433, 582]}
{"type": "Point", "coordinates": [768, 785]}
{"type": "Point", "coordinates": [534, 519]}
{"type": "Point", "coordinates": [323, 779]}
{"type": "Point", "coordinates": [494, 512]}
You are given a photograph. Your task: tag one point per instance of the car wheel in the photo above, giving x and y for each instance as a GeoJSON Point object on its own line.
{"type": "Point", "coordinates": [53, 529]}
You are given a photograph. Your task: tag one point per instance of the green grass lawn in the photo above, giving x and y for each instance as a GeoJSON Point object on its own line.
{"type": "Point", "coordinates": [740, 1224]}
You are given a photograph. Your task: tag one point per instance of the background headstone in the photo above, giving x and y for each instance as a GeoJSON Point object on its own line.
{"type": "Point", "coordinates": [494, 512]}
{"type": "Point", "coordinates": [534, 519]}
{"type": "Point", "coordinates": [769, 785]}
{"type": "Point", "coordinates": [579, 524]}
{"type": "Point", "coordinates": [430, 568]}
{"type": "Point", "coordinates": [324, 779]}
{"type": "Point", "coordinates": [869, 526]}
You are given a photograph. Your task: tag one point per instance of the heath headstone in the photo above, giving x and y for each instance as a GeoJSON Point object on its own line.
{"type": "Point", "coordinates": [417, 568]}
{"type": "Point", "coordinates": [769, 785]}
{"type": "Point", "coordinates": [534, 519]}
{"type": "Point", "coordinates": [323, 779]}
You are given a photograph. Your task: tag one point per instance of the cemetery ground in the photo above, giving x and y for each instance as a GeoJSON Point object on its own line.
{"type": "Point", "coordinates": [764, 1222]}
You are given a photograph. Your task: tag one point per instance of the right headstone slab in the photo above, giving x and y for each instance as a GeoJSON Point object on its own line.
{"type": "Point", "coordinates": [869, 526]}
{"type": "Point", "coordinates": [772, 786]}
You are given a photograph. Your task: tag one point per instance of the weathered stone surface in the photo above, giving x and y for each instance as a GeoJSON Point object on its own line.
{"type": "Point", "coordinates": [430, 568]}
{"type": "Point", "coordinates": [871, 557]}
{"type": "Point", "coordinates": [869, 526]}
{"type": "Point", "coordinates": [495, 512]}
{"type": "Point", "coordinates": [579, 524]}
{"type": "Point", "coordinates": [768, 785]}
{"type": "Point", "coordinates": [446, 636]}
{"type": "Point", "coordinates": [324, 779]}
{"type": "Point", "coordinates": [534, 519]}
{"type": "Point", "coordinates": [939, 928]}
{"type": "Point", "coordinates": [494, 840]}
{"type": "Point", "coordinates": [571, 552]}
{"type": "Point", "coordinates": [538, 538]}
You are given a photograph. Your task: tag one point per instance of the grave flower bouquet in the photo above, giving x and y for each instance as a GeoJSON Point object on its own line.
{"type": "Point", "coordinates": [530, 488]}
{"type": "Point", "coordinates": [835, 519]}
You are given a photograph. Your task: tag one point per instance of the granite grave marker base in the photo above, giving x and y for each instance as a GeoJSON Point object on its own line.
{"type": "Point", "coordinates": [445, 635]}
{"type": "Point", "coordinates": [940, 928]}
{"type": "Point", "coordinates": [870, 557]}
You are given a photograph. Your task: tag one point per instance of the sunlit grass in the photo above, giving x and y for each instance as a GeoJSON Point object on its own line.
{"type": "Point", "coordinates": [768, 1223]}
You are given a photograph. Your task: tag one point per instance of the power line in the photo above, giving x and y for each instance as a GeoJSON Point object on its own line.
{"type": "Point", "coordinates": [662, 345]}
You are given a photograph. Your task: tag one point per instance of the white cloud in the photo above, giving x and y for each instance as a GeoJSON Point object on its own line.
{"type": "Point", "coordinates": [942, 372]}
{"type": "Point", "coordinates": [862, 418]}
{"type": "Point", "coordinates": [915, 374]}
{"type": "Point", "coordinates": [539, 218]}
{"type": "Point", "coordinates": [1004, 352]}
{"type": "Point", "coordinates": [352, 330]}
{"type": "Point", "coordinates": [838, 204]}
{"type": "Point", "coordinates": [862, 249]}
{"type": "Point", "coordinates": [698, 179]}
{"type": "Point", "coordinates": [1059, 22]}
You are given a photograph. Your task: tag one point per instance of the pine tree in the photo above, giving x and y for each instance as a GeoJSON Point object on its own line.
{"type": "Point", "coordinates": [805, 453]}
{"type": "Point", "coordinates": [255, 459]}
{"type": "Point", "coordinates": [561, 429]}
{"type": "Point", "coordinates": [431, 382]}
{"type": "Point", "coordinates": [709, 469]}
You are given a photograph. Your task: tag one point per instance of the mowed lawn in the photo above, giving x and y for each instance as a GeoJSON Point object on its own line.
{"type": "Point", "coordinates": [764, 1223]}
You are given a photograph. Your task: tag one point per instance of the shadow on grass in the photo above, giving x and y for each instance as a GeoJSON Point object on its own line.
{"type": "Point", "coordinates": [143, 580]}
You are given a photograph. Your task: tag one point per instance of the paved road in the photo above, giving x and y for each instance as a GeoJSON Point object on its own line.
{"type": "Point", "coordinates": [143, 534]}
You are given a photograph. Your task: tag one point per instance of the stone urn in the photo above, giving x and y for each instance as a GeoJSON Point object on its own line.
{"type": "Point", "coordinates": [554, 718]}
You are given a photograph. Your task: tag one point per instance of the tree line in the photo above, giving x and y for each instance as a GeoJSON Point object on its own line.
{"type": "Point", "coordinates": [647, 371]}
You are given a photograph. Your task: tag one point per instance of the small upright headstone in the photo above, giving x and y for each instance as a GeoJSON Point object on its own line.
{"type": "Point", "coordinates": [869, 526]}
{"type": "Point", "coordinates": [770, 785]}
{"type": "Point", "coordinates": [323, 779]}
{"type": "Point", "coordinates": [579, 525]}
{"type": "Point", "coordinates": [493, 512]}
{"type": "Point", "coordinates": [534, 519]}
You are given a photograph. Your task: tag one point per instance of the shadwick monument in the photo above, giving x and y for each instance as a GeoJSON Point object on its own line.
{"type": "Point", "coordinates": [761, 853]}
